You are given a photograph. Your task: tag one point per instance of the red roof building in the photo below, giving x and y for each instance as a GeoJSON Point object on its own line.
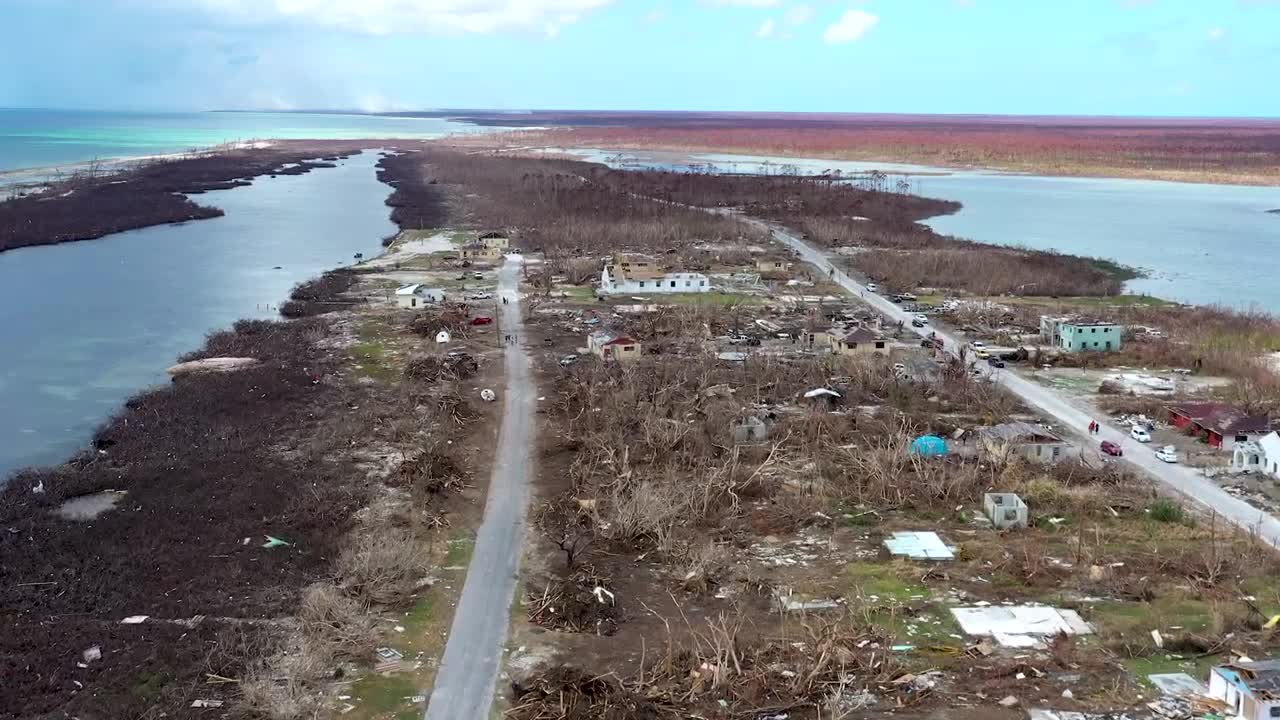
{"type": "Point", "coordinates": [1222, 424]}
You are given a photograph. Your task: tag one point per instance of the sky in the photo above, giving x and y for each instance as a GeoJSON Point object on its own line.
{"type": "Point", "coordinates": [1084, 57]}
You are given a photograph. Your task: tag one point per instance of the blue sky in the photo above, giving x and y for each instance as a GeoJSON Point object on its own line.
{"type": "Point", "coordinates": [1123, 57]}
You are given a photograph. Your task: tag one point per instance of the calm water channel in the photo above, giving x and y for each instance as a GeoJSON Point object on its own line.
{"type": "Point", "coordinates": [88, 324]}
{"type": "Point", "coordinates": [1203, 244]}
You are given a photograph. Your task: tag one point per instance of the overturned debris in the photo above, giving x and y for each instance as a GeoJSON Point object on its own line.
{"type": "Point", "coordinates": [919, 546]}
{"type": "Point", "coordinates": [212, 365]}
{"type": "Point", "coordinates": [1020, 625]}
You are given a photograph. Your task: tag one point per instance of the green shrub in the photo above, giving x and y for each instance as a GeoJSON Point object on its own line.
{"type": "Point", "coordinates": [1166, 510]}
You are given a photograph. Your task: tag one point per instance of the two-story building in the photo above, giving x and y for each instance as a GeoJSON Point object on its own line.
{"type": "Point", "coordinates": [495, 240]}
{"type": "Point", "coordinates": [632, 274]}
{"type": "Point", "coordinates": [480, 251]}
{"type": "Point", "coordinates": [1078, 335]}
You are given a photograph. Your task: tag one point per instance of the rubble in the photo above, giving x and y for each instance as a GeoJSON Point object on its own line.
{"type": "Point", "coordinates": [1023, 626]}
{"type": "Point", "coordinates": [919, 546]}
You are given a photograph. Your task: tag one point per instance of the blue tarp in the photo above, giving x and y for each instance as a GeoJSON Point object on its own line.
{"type": "Point", "coordinates": [929, 446]}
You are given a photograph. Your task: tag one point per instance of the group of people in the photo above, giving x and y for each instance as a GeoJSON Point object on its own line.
{"type": "Point", "coordinates": [1094, 427]}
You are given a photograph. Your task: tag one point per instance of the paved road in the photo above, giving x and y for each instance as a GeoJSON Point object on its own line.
{"type": "Point", "coordinates": [468, 674]}
{"type": "Point", "coordinates": [1183, 480]}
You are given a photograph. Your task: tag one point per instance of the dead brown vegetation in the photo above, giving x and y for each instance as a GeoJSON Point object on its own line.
{"type": "Point", "coordinates": [92, 204]}
{"type": "Point", "coordinates": [822, 666]}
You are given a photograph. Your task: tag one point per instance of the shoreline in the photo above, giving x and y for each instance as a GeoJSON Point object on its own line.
{"type": "Point", "coordinates": [158, 191]}
{"type": "Point", "coordinates": [573, 136]}
{"type": "Point", "coordinates": [198, 470]}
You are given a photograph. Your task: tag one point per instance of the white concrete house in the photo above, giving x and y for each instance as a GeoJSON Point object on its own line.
{"type": "Point", "coordinates": [637, 274]}
{"type": "Point", "coordinates": [1270, 445]}
{"type": "Point", "coordinates": [412, 296]}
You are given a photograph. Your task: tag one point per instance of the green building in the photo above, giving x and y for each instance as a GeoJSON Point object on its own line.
{"type": "Point", "coordinates": [1074, 335]}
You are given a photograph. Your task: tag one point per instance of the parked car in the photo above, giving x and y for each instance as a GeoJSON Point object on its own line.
{"type": "Point", "coordinates": [1140, 434]}
{"type": "Point", "coordinates": [921, 317]}
{"type": "Point", "coordinates": [978, 344]}
{"type": "Point", "coordinates": [482, 320]}
{"type": "Point", "coordinates": [873, 287]}
{"type": "Point", "coordinates": [1110, 448]}
{"type": "Point", "coordinates": [995, 362]}
{"type": "Point", "coordinates": [899, 367]}
{"type": "Point", "coordinates": [480, 296]}
{"type": "Point", "coordinates": [568, 360]}
{"type": "Point", "coordinates": [917, 322]}
{"type": "Point", "coordinates": [1168, 453]}
{"type": "Point", "coordinates": [982, 354]}
{"type": "Point", "coordinates": [477, 275]}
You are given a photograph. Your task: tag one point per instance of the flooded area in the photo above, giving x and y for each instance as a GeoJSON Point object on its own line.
{"type": "Point", "coordinates": [90, 323]}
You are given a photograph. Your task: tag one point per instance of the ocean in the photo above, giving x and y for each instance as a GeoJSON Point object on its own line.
{"type": "Point", "coordinates": [46, 139]}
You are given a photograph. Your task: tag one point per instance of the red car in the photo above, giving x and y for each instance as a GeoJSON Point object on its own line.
{"type": "Point", "coordinates": [1111, 448]}
{"type": "Point", "coordinates": [482, 320]}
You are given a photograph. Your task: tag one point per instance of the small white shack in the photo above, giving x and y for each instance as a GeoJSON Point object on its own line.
{"type": "Point", "coordinates": [417, 295]}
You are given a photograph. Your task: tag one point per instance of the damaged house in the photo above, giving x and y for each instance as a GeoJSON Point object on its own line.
{"type": "Point", "coordinates": [1222, 425]}
{"type": "Point", "coordinates": [630, 273]}
{"type": "Point", "coordinates": [1030, 442]}
{"type": "Point", "coordinates": [858, 342]}
{"type": "Point", "coordinates": [1251, 690]}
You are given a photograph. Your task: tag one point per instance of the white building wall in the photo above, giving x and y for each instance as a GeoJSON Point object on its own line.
{"type": "Point", "coordinates": [1270, 445]}
{"type": "Point", "coordinates": [669, 283]}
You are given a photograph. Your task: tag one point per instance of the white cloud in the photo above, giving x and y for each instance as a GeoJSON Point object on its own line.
{"type": "Point", "coordinates": [656, 15]}
{"type": "Point", "coordinates": [1217, 33]}
{"type": "Point", "coordinates": [798, 15]}
{"type": "Point", "coordinates": [851, 26]}
{"type": "Point", "coordinates": [747, 3]}
{"type": "Point", "coordinates": [766, 29]}
{"type": "Point", "coordinates": [386, 17]}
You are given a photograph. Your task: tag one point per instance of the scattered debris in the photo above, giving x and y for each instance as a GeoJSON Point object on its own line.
{"type": "Point", "coordinates": [1008, 701]}
{"type": "Point", "coordinates": [924, 545]}
{"type": "Point", "coordinates": [1178, 685]}
{"type": "Point", "coordinates": [488, 395]}
{"type": "Point", "coordinates": [206, 703]}
{"type": "Point", "coordinates": [134, 620]}
{"type": "Point", "coordinates": [389, 660]}
{"type": "Point", "coordinates": [91, 654]}
{"type": "Point", "coordinates": [212, 365]}
{"type": "Point", "coordinates": [788, 602]}
{"type": "Point", "coordinates": [1020, 625]}
{"type": "Point", "coordinates": [274, 542]}
{"type": "Point", "coordinates": [88, 507]}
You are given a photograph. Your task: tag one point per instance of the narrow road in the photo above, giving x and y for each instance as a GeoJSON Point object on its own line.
{"type": "Point", "coordinates": [1179, 478]}
{"type": "Point", "coordinates": [468, 673]}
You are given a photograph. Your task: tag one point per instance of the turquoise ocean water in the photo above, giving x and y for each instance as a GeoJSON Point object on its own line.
{"type": "Point", "coordinates": [53, 138]}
